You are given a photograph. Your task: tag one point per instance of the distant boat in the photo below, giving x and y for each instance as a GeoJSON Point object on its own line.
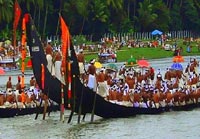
{"type": "Point", "coordinates": [12, 112]}
{"type": "Point", "coordinates": [9, 63]}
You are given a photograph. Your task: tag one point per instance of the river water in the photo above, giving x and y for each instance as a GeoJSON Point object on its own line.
{"type": "Point", "coordinates": [169, 125]}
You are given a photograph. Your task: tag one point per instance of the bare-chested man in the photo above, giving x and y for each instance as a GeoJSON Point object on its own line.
{"type": "Point", "coordinates": [9, 84]}
{"type": "Point", "coordinates": [49, 57]}
{"type": "Point", "coordinates": [81, 62]}
{"type": "Point", "coordinates": [101, 79]}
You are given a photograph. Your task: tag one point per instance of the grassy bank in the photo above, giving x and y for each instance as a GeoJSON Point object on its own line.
{"type": "Point", "coordinates": [148, 53]}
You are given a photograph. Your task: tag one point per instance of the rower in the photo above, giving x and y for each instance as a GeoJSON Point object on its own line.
{"type": "Point", "coordinates": [102, 88]}
{"type": "Point", "coordinates": [156, 98]}
{"type": "Point", "coordinates": [137, 98]}
{"type": "Point", "coordinates": [151, 74]}
{"type": "Point", "coordinates": [126, 97]}
{"type": "Point", "coordinates": [9, 98]}
{"type": "Point", "coordinates": [130, 80]}
{"type": "Point", "coordinates": [32, 83]}
{"type": "Point", "coordinates": [2, 98]}
{"type": "Point", "coordinates": [167, 76]}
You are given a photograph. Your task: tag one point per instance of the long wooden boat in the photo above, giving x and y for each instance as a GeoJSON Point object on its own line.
{"type": "Point", "coordinates": [12, 112]}
{"type": "Point", "coordinates": [187, 107]}
{"type": "Point", "coordinates": [82, 95]}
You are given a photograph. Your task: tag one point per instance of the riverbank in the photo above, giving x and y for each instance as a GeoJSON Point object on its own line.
{"type": "Point", "coordinates": [149, 52]}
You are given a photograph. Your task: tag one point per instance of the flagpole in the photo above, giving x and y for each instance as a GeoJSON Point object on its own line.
{"type": "Point", "coordinates": [63, 65]}
{"type": "Point", "coordinates": [23, 51]}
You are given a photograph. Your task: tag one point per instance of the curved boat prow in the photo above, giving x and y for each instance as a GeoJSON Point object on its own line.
{"type": "Point", "coordinates": [38, 57]}
{"type": "Point", "coordinates": [82, 95]}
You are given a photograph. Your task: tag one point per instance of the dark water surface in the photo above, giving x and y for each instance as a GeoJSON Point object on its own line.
{"type": "Point", "coordinates": [169, 125]}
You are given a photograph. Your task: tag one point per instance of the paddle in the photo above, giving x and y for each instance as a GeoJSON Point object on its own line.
{"type": "Point", "coordinates": [73, 107]}
{"type": "Point", "coordinates": [51, 106]}
{"type": "Point", "coordinates": [80, 105]}
{"type": "Point", "coordinates": [45, 109]}
{"type": "Point", "coordinates": [94, 104]}
{"type": "Point", "coordinates": [38, 109]}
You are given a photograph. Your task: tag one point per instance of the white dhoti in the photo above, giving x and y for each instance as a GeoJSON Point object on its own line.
{"type": "Point", "coordinates": [136, 104]}
{"type": "Point", "coordinates": [102, 89]}
{"type": "Point", "coordinates": [92, 82]}
{"type": "Point", "coordinates": [58, 69]}
{"type": "Point", "coordinates": [50, 65]}
{"type": "Point", "coordinates": [16, 93]}
{"type": "Point", "coordinates": [9, 91]}
{"type": "Point", "coordinates": [196, 69]}
{"type": "Point", "coordinates": [81, 67]}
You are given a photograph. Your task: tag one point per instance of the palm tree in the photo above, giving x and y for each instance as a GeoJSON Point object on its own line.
{"type": "Point", "coordinates": [6, 10]}
{"type": "Point", "coordinates": [82, 9]}
{"type": "Point", "coordinates": [116, 4]}
{"type": "Point", "coordinates": [146, 16]}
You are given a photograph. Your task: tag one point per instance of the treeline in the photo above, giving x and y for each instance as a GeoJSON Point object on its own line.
{"type": "Point", "coordinates": [97, 17]}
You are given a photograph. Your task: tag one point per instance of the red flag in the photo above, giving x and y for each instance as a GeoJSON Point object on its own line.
{"type": "Point", "coordinates": [17, 14]}
{"type": "Point", "coordinates": [65, 37]}
{"type": "Point", "coordinates": [65, 42]}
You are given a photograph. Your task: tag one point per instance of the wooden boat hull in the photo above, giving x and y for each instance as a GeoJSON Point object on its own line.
{"type": "Point", "coordinates": [187, 107]}
{"type": "Point", "coordinates": [12, 112]}
{"type": "Point", "coordinates": [82, 96]}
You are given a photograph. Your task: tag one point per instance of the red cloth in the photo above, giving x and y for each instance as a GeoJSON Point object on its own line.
{"type": "Point", "coordinates": [17, 11]}
{"type": "Point", "coordinates": [65, 41]}
{"type": "Point", "coordinates": [152, 70]}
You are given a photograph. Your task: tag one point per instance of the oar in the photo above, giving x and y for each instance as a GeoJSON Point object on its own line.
{"type": "Point", "coordinates": [73, 107]}
{"type": "Point", "coordinates": [45, 109]}
{"type": "Point", "coordinates": [38, 110]}
{"type": "Point", "coordinates": [51, 106]}
{"type": "Point", "coordinates": [80, 105]}
{"type": "Point", "coordinates": [94, 104]}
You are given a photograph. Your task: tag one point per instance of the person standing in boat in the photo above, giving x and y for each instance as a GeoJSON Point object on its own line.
{"type": "Point", "coordinates": [49, 57]}
{"type": "Point", "coordinates": [101, 79]}
{"type": "Point", "coordinates": [92, 75]}
{"type": "Point", "coordinates": [18, 85]}
{"type": "Point", "coordinates": [32, 83]}
{"type": "Point", "coordinates": [81, 62]}
{"type": "Point", "coordinates": [57, 64]}
{"type": "Point", "coordinates": [9, 84]}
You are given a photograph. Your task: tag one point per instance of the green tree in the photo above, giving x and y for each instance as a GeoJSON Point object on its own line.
{"type": "Point", "coordinates": [189, 14]}
{"type": "Point", "coordinates": [82, 9]}
{"type": "Point", "coordinates": [6, 10]}
{"type": "Point", "coordinates": [163, 16]}
{"type": "Point", "coordinates": [146, 16]}
{"type": "Point", "coordinates": [116, 4]}
{"type": "Point", "coordinates": [175, 17]}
